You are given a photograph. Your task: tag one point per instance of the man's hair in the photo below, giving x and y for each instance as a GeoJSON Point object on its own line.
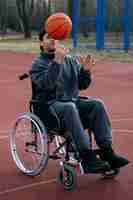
{"type": "Point", "coordinates": [41, 34]}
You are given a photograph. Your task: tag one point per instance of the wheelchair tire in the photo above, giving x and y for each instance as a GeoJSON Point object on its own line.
{"type": "Point", "coordinates": [29, 144]}
{"type": "Point", "coordinates": [67, 177]}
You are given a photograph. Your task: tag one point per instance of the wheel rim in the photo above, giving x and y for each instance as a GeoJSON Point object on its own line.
{"type": "Point", "coordinates": [67, 177]}
{"type": "Point", "coordinates": [29, 146]}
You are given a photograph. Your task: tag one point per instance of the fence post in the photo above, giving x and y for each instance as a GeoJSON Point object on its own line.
{"type": "Point", "coordinates": [126, 24]}
{"type": "Point", "coordinates": [75, 9]}
{"type": "Point", "coordinates": [100, 24]}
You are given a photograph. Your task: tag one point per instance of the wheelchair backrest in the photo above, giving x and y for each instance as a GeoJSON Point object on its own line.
{"type": "Point", "coordinates": [41, 108]}
{"type": "Point", "coordinates": [33, 85]}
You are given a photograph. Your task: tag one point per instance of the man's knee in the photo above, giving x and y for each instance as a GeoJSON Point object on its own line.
{"type": "Point", "coordinates": [99, 105]}
{"type": "Point", "coordinates": [102, 111]}
{"type": "Point", "coordinates": [70, 107]}
{"type": "Point", "coordinates": [71, 111]}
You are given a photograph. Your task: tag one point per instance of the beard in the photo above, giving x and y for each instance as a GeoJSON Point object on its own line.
{"type": "Point", "coordinates": [51, 53]}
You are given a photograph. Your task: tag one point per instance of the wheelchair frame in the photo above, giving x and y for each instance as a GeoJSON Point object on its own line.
{"type": "Point", "coordinates": [65, 151]}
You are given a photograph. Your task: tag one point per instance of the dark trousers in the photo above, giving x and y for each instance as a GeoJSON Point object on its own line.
{"type": "Point", "coordinates": [82, 114]}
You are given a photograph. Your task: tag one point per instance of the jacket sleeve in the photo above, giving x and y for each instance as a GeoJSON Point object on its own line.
{"type": "Point", "coordinates": [84, 76]}
{"type": "Point", "coordinates": [84, 79]}
{"type": "Point", "coordinates": [45, 75]}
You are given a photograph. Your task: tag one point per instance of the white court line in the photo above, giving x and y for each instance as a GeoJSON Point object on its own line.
{"type": "Point", "coordinates": [126, 131]}
{"type": "Point", "coordinates": [122, 130]}
{"type": "Point", "coordinates": [8, 81]}
{"type": "Point", "coordinates": [2, 137]}
{"type": "Point", "coordinates": [4, 134]}
{"type": "Point", "coordinates": [16, 189]}
{"type": "Point", "coordinates": [114, 130]}
{"type": "Point", "coordinates": [52, 180]}
{"type": "Point", "coordinates": [122, 119]}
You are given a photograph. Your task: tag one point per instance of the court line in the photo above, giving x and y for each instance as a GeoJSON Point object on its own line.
{"type": "Point", "coordinates": [123, 131]}
{"type": "Point", "coordinates": [16, 189]}
{"type": "Point", "coordinates": [126, 131]}
{"type": "Point", "coordinates": [5, 134]}
{"type": "Point", "coordinates": [2, 137]}
{"type": "Point", "coordinates": [52, 180]}
{"type": "Point", "coordinates": [8, 81]}
{"type": "Point", "coordinates": [121, 119]}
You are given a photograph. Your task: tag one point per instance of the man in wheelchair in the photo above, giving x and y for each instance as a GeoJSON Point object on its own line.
{"type": "Point", "coordinates": [58, 78]}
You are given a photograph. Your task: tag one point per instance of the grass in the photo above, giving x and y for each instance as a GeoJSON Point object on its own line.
{"type": "Point", "coordinates": [19, 44]}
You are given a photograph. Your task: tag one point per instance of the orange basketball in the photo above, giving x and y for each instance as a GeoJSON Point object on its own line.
{"type": "Point", "coordinates": [58, 26]}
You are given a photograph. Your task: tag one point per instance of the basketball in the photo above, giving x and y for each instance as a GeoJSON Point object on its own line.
{"type": "Point", "coordinates": [58, 26]}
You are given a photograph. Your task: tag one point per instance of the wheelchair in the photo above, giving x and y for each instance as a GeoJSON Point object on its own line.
{"type": "Point", "coordinates": [33, 143]}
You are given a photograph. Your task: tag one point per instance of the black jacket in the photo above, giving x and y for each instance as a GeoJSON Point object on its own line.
{"type": "Point", "coordinates": [58, 82]}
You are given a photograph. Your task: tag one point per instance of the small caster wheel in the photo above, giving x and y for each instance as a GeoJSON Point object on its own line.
{"type": "Point", "coordinates": [67, 177]}
{"type": "Point", "coordinates": [111, 174]}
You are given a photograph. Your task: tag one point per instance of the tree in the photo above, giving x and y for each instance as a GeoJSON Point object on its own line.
{"type": "Point", "coordinates": [84, 13]}
{"type": "Point", "coordinates": [69, 8]}
{"type": "Point", "coordinates": [25, 9]}
{"type": "Point", "coordinates": [41, 12]}
{"type": "Point", "coordinates": [3, 16]}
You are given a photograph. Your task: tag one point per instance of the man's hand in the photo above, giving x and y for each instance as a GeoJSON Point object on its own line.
{"type": "Point", "coordinates": [87, 61]}
{"type": "Point", "coordinates": [60, 54]}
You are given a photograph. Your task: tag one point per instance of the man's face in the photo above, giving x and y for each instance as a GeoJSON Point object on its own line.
{"type": "Point", "coordinates": [49, 44]}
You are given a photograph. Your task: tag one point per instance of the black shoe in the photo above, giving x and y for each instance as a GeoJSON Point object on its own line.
{"type": "Point", "coordinates": [92, 164]}
{"type": "Point", "coordinates": [107, 154]}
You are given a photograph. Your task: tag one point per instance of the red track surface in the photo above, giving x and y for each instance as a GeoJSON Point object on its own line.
{"type": "Point", "coordinates": [113, 83]}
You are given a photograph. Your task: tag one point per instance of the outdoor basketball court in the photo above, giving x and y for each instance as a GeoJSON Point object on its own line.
{"type": "Point", "coordinates": [113, 83]}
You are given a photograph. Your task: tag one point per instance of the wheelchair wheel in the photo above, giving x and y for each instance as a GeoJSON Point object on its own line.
{"type": "Point", "coordinates": [29, 144]}
{"type": "Point", "coordinates": [111, 174]}
{"type": "Point", "coordinates": [67, 177]}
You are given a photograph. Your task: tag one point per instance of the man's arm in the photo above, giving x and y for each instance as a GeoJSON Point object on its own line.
{"type": "Point", "coordinates": [45, 75]}
{"type": "Point", "coordinates": [87, 62]}
{"type": "Point", "coordinates": [84, 79]}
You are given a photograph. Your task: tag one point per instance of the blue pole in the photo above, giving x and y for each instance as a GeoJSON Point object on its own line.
{"type": "Point", "coordinates": [75, 9]}
{"type": "Point", "coordinates": [100, 24]}
{"type": "Point", "coordinates": [126, 42]}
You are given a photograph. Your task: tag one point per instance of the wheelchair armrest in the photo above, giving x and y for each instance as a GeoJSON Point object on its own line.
{"type": "Point", "coordinates": [83, 97]}
{"type": "Point", "coordinates": [34, 101]}
{"type": "Point", "coordinates": [24, 76]}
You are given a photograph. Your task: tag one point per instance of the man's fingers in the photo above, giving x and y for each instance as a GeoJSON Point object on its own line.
{"type": "Point", "coordinates": [93, 61]}
{"type": "Point", "coordinates": [90, 59]}
{"type": "Point", "coordinates": [80, 59]}
{"type": "Point", "coordinates": [62, 51]}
